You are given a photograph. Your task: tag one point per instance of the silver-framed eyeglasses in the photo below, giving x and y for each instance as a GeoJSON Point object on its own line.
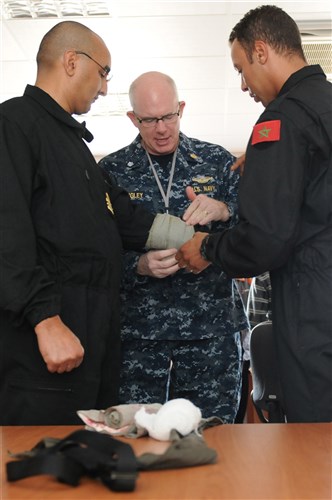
{"type": "Point", "coordinates": [106, 70]}
{"type": "Point", "coordinates": [150, 122]}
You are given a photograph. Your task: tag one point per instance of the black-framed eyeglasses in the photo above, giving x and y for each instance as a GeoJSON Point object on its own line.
{"type": "Point", "coordinates": [106, 69]}
{"type": "Point", "coordinates": [152, 121]}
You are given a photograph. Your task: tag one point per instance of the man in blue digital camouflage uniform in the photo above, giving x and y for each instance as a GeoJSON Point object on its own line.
{"type": "Point", "coordinates": [180, 331]}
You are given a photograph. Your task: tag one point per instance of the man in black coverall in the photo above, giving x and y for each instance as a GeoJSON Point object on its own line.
{"type": "Point", "coordinates": [285, 206]}
{"type": "Point", "coordinates": [62, 230]}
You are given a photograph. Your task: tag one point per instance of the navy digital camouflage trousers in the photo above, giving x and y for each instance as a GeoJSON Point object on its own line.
{"type": "Point", "coordinates": [207, 372]}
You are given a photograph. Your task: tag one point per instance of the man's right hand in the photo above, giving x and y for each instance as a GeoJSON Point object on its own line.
{"type": "Point", "coordinates": [239, 163]}
{"type": "Point", "coordinates": [60, 348]}
{"type": "Point", "coordinates": [189, 255]}
{"type": "Point", "coordinates": [158, 263]}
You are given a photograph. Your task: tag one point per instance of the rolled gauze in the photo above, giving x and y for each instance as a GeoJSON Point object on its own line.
{"type": "Point", "coordinates": [168, 231]}
{"type": "Point", "coordinates": [178, 414]}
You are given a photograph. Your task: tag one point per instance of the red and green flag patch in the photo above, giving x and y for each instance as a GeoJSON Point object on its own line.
{"type": "Point", "coordinates": [266, 132]}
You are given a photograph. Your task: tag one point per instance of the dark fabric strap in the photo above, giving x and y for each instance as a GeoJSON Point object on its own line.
{"type": "Point", "coordinates": [81, 453]}
{"type": "Point", "coordinates": [56, 465]}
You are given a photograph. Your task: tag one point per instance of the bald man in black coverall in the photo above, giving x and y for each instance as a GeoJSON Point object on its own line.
{"type": "Point", "coordinates": [63, 230]}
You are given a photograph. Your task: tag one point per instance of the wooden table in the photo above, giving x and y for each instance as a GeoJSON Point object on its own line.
{"type": "Point", "coordinates": [255, 461]}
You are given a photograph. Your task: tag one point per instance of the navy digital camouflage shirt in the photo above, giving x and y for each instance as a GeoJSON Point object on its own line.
{"type": "Point", "coordinates": [184, 306]}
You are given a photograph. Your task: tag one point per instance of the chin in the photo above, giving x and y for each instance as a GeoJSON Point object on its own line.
{"type": "Point", "coordinates": [82, 111]}
{"type": "Point", "coordinates": [86, 108]}
{"type": "Point", "coordinates": [165, 149]}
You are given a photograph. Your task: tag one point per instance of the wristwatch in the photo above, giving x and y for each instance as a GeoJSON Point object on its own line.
{"type": "Point", "coordinates": [203, 247]}
{"type": "Point", "coordinates": [230, 210]}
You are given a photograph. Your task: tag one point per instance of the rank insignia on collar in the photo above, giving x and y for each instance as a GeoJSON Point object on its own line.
{"type": "Point", "coordinates": [266, 132]}
{"type": "Point", "coordinates": [109, 204]}
{"type": "Point", "coordinates": [195, 157]}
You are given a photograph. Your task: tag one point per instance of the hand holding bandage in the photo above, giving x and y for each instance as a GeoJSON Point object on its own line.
{"type": "Point", "coordinates": [190, 255]}
{"type": "Point", "coordinates": [158, 263]}
{"type": "Point", "coordinates": [168, 231]}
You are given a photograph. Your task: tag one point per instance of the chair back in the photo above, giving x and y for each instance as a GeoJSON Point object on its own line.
{"type": "Point", "coordinates": [266, 393]}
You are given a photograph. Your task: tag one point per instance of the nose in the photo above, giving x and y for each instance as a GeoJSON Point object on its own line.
{"type": "Point", "coordinates": [104, 86]}
{"type": "Point", "coordinates": [160, 125]}
{"type": "Point", "coordinates": [244, 86]}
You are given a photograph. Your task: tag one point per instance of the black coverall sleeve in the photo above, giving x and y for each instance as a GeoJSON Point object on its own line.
{"type": "Point", "coordinates": [25, 288]}
{"type": "Point", "coordinates": [270, 198]}
{"type": "Point", "coordinates": [134, 222]}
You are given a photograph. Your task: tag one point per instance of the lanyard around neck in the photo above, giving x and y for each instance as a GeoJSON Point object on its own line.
{"type": "Point", "coordinates": [166, 196]}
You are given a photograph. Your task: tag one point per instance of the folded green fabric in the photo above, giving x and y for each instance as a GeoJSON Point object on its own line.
{"type": "Point", "coordinates": [187, 451]}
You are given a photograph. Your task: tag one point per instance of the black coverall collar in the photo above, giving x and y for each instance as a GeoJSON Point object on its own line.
{"type": "Point", "coordinates": [300, 75]}
{"type": "Point", "coordinates": [52, 107]}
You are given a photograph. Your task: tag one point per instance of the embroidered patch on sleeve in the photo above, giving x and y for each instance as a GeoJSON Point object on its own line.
{"type": "Point", "coordinates": [266, 132]}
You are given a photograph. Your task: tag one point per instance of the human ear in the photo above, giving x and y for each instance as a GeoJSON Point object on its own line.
{"type": "Point", "coordinates": [133, 118]}
{"type": "Point", "coordinates": [70, 62]}
{"type": "Point", "coordinates": [260, 52]}
{"type": "Point", "coordinates": [181, 107]}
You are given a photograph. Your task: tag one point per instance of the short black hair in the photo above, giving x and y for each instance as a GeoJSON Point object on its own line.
{"type": "Point", "coordinates": [63, 36]}
{"type": "Point", "coordinates": [273, 26]}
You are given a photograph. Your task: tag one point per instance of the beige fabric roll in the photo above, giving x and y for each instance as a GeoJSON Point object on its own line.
{"type": "Point", "coordinates": [168, 231]}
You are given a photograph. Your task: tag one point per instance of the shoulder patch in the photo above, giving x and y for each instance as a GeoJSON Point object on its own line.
{"type": "Point", "coordinates": [266, 132]}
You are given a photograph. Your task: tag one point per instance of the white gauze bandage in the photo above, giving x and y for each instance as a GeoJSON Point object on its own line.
{"type": "Point", "coordinates": [178, 414]}
{"type": "Point", "coordinates": [168, 231]}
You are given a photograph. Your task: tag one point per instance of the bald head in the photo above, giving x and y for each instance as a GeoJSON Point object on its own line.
{"type": "Point", "coordinates": [73, 64]}
{"type": "Point", "coordinates": [154, 86]}
{"type": "Point", "coordinates": [65, 36]}
{"type": "Point", "coordinates": [153, 95]}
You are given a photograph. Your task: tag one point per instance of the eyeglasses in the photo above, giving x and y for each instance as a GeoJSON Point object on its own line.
{"type": "Point", "coordinates": [152, 122]}
{"type": "Point", "coordinates": [106, 69]}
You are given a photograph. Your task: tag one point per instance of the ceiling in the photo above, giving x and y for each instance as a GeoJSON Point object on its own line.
{"type": "Point", "coordinates": [186, 39]}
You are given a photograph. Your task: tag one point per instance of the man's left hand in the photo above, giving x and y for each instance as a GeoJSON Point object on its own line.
{"type": "Point", "coordinates": [189, 256]}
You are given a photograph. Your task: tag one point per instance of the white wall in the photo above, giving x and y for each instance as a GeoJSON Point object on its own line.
{"type": "Point", "coordinates": [185, 39]}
